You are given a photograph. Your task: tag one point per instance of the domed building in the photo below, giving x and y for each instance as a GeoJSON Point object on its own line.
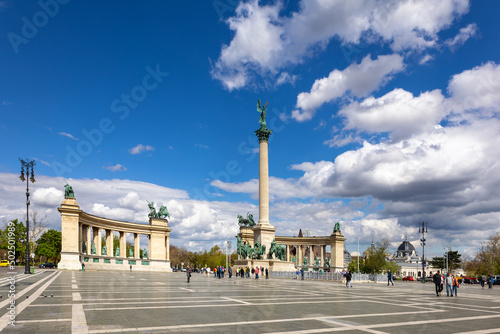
{"type": "Point", "coordinates": [410, 264]}
{"type": "Point", "coordinates": [406, 250]}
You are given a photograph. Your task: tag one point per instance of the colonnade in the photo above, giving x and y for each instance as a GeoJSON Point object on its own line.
{"type": "Point", "coordinates": [81, 231]}
{"type": "Point", "coordinates": [91, 235]}
{"type": "Point", "coordinates": [306, 246]}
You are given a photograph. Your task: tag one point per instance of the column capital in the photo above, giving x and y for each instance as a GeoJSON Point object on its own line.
{"type": "Point", "coordinates": [263, 133]}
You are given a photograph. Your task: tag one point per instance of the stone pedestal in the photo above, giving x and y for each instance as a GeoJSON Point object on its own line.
{"type": "Point", "coordinates": [70, 245]}
{"type": "Point", "coordinates": [158, 246]}
{"type": "Point", "coordinates": [337, 251]}
{"type": "Point", "coordinates": [265, 234]}
{"type": "Point", "coordinates": [246, 234]}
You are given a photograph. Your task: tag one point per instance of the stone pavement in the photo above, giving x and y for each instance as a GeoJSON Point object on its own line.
{"type": "Point", "coordinates": [141, 302]}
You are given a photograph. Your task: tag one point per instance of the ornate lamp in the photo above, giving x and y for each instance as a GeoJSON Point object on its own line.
{"type": "Point", "coordinates": [27, 166]}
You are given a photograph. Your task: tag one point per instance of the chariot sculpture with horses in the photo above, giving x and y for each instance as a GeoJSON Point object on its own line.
{"type": "Point", "coordinates": [162, 213]}
{"type": "Point", "coordinates": [247, 222]}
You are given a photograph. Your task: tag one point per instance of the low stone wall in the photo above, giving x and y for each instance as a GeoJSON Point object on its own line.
{"type": "Point", "coordinates": [94, 262]}
{"type": "Point", "coordinates": [329, 276]}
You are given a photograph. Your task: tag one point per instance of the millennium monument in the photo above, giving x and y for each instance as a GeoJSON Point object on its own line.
{"type": "Point", "coordinates": [257, 244]}
{"type": "Point", "coordinates": [83, 233]}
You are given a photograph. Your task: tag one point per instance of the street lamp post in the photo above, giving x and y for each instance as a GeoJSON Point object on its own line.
{"type": "Point", "coordinates": [447, 256]}
{"type": "Point", "coordinates": [423, 230]}
{"type": "Point", "coordinates": [28, 167]}
{"type": "Point", "coordinates": [358, 260]}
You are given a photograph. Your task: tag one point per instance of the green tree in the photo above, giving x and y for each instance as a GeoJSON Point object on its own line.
{"type": "Point", "coordinates": [14, 234]}
{"type": "Point", "coordinates": [454, 261]}
{"type": "Point", "coordinates": [49, 245]}
{"type": "Point", "coordinates": [376, 259]}
{"type": "Point", "coordinates": [392, 266]}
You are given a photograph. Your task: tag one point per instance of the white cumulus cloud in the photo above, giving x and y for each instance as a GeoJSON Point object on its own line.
{"type": "Point", "coordinates": [266, 42]}
{"type": "Point", "coordinates": [358, 79]}
{"type": "Point", "coordinates": [141, 148]}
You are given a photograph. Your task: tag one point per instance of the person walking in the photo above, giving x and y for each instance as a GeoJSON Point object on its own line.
{"type": "Point", "coordinates": [348, 277]}
{"type": "Point", "coordinates": [389, 278]}
{"type": "Point", "coordinates": [83, 266]}
{"type": "Point", "coordinates": [267, 273]}
{"type": "Point", "coordinates": [449, 285]}
{"type": "Point", "coordinates": [483, 281]}
{"type": "Point", "coordinates": [436, 278]}
{"type": "Point", "coordinates": [188, 273]}
{"type": "Point", "coordinates": [257, 273]}
{"type": "Point", "coordinates": [343, 276]}
{"type": "Point", "coordinates": [230, 272]}
{"type": "Point", "coordinates": [441, 287]}
{"type": "Point", "coordinates": [490, 282]}
{"type": "Point", "coordinates": [455, 285]}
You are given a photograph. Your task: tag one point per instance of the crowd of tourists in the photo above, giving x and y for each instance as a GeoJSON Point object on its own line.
{"type": "Point", "coordinates": [221, 271]}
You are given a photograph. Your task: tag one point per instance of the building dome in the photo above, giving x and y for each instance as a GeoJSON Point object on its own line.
{"type": "Point", "coordinates": [406, 246]}
{"type": "Point", "coordinates": [405, 249]}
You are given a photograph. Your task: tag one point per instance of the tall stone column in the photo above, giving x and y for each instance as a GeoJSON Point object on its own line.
{"type": "Point", "coordinates": [137, 245]}
{"type": "Point", "coordinates": [263, 183]}
{"type": "Point", "coordinates": [299, 255]}
{"type": "Point", "coordinates": [263, 231]}
{"type": "Point", "coordinates": [287, 253]}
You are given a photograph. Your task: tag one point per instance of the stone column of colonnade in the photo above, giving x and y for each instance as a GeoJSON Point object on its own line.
{"type": "Point", "coordinates": [167, 246]}
{"type": "Point", "coordinates": [109, 242]}
{"type": "Point", "coordinates": [322, 256]}
{"type": "Point", "coordinates": [88, 240]}
{"type": "Point", "coordinates": [96, 240]}
{"type": "Point", "coordinates": [311, 255]}
{"type": "Point", "coordinates": [137, 245]}
{"type": "Point", "coordinates": [123, 244]}
{"type": "Point", "coordinates": [80, 238]}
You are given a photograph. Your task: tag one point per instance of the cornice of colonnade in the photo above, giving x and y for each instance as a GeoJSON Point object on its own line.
{"type": "Point", "coordinates": [307, 241]}
{"type": "Point", "coordinates": [117, 225]}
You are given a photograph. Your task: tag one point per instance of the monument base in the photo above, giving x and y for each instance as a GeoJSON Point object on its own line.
{"type": "Point", "coordinates": [73, 261]}
{"type": "Point", "coordinates": [271, 264]}
{"type": "Point", "coordinates": [69, 261]}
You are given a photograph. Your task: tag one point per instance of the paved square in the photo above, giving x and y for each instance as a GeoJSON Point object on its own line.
{"type": "Point", "coordinates": [139, 302]}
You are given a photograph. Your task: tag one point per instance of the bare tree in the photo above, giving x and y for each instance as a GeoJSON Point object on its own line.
{"type": "Point", "coordinates": [37, 227]}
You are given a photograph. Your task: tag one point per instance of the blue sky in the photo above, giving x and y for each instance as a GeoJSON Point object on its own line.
{"type": "Point", "coordinates": [384, 114]}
